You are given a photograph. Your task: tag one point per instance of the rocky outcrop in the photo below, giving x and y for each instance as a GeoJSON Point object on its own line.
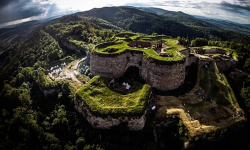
{"type": "Point", "coordinates": [74, 47]}
{"type": "Point", "coordinates": [49, 91]}
{"type": "Point", "coordinates": [71, 46]}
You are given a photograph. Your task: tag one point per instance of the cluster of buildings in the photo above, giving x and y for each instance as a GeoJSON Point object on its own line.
{"type": "Point", "coordinates": [56, 71]}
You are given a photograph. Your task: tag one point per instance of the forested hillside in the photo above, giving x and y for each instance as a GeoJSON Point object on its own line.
{"type": "Point", "coordinates": [141, 21]}
{"type": "Point", "coordinates": [179, 17]}
{"type": "Point", "coordinates": [29, 120]}
{"type": "Point", "coordinates": [150, 20]}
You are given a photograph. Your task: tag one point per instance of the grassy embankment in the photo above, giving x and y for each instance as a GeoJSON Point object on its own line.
{"type": "Point", "coordinates": [216, 87]}
{"type": "Point", "coordinates": [210, 112]}
{"type": "Point", "coordinates": [102, 100]}
{"type": "Point", "coordinates": [121, 45]}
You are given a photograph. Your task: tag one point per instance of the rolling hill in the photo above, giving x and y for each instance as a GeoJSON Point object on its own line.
{"type": "Point", "coordinates": [150, 20]}
{"type": "Point", "coordinates": [228, 25]}
{"type": "Point", "coordinates": [137, 20]}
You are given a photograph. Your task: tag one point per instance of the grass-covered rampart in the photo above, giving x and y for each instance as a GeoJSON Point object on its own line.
{"type": "Point", "coordinates": [102, 100]}
{"type": "Point", "coordinates": [121, 45]}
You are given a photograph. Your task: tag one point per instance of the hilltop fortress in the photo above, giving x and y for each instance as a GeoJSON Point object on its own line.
{"type": "Point", "coordinates": [158, 70]}
{"type": "Point", "coordinates": [162, 74]}
{"type": "Point", "coordinates": [160, 61]}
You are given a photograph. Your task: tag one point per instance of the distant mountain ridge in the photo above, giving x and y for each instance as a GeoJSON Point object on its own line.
{"type": "Point", "coordinates": [228, 25]}
{"type": "Point", "coordinates": [177, 16]}
{"type": "Point", "coordinates": [200, 21]}
{"type": "Point", "coordinates": [140, 19]}
{"type": "Point", "coordinates": [137, 20]}
{"type": "Point", "coordinates": [148, 20]}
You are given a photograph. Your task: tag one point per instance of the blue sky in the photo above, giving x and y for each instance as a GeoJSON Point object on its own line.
{"type": "Point", "coordinates": [17, 11]}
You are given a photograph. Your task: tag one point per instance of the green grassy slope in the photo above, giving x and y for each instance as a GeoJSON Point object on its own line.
{"type": "Point", "coordinates": [122, 45]}
{"type": "Point", "coordinates": [101, 99]}
{"type": "Point", "coordinates": [216, 88]}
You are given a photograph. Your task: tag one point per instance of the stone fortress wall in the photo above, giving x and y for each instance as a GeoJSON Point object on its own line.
{"type": "Point", "coordinates": [225, 65]}
{"type": "Point", "coordinates": [214, 51]}
{"type": "Point", "coordinates": [133, 123]}
{"type": "Point", "coordinates": [162, 76]}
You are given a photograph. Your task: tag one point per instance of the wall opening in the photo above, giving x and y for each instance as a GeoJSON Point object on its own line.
{"type": "Point", "coordinates": [131, 74]}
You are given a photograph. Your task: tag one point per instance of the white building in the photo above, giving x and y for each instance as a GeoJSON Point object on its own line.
{"type": "Point", "coordinates": [76, 73]}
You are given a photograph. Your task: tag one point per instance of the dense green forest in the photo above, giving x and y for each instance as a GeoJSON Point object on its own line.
{"type": "Point", "coordinates": [31, 120]}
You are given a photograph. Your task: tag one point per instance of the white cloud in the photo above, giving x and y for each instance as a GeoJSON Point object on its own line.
{"type": "Point", "coordinates": [210, 8]}
{"type": "Point", "coordinates": [233, 10]}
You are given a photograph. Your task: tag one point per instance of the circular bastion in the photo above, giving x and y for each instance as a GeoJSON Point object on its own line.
{"type": "Point", "coordinates": [161, 73]}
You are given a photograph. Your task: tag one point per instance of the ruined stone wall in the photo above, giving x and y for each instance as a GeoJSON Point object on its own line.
{"type": "Point", "coordinates": [214, 51]}
{"type": "Point", "coordinates": [134, 59]}
{"type": "Point", "coordinates": [113, 66]}
{"type": "Point", "coordinates": [163, 77]}
{"type": "Point", "coordinates": [134, 123]}
{"type": "Point", "coordinates": [71, 46]}
{"type": "Point", "coordinates": [186, 53]}
{"type": "Point", "coordinates": [160, 76]}
{"type": "Point", "coordinates": [204, 61]}
{"type": "Point", "coordinates": [210, 51]}
{"type": "Point", "coordinates": [222, 65]}
{"type": "Point", "coordinates": [192, 59]}
{"type": "Point", "coordinates": [225, 65]}
{"type": "Point", "coordinates": [189, 58]}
